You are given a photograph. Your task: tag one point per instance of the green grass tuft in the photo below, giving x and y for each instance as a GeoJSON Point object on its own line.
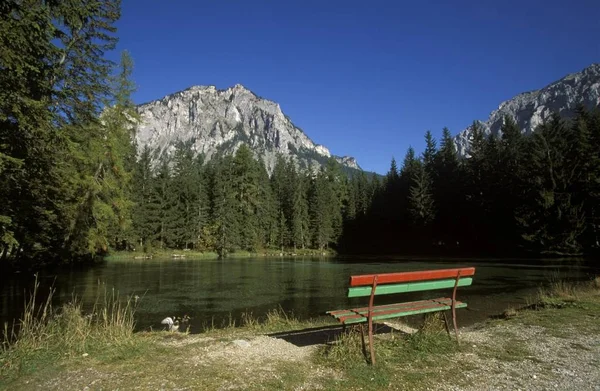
{"type": "Point", "coordinates": [45, 335]}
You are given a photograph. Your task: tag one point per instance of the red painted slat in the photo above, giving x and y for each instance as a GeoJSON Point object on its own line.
{"type": "Point", "coordinates": [387, 278]}
{"type": "Point", "coordinates": [396, 305]}
{"type": "Point", "coordinates": [379, 313]}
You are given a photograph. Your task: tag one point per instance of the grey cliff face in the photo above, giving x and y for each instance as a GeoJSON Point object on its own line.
{"type": "Point", "coordinates": [530, 109]}
{"type": "Point", "coordinates": [217, 122]}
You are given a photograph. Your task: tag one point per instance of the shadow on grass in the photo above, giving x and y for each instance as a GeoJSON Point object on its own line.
{"type": "Point", "coordinates": [323, 335]}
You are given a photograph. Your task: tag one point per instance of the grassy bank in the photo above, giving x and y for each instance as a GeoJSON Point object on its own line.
{"type": "Point", "coordinates": [271, 253]}
{"type": "Point", "coordinates": [526, 348]}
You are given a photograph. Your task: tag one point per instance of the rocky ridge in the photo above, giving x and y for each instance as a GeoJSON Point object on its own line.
{"type": "Point", "coordinates": [530, 109]}
{"type": "Point", "coordinates": [216, 122]}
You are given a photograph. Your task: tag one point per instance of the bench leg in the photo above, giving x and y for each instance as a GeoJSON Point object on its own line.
{"type": "Point", "coordinates": [455, 326]}
{"type": "Point", "coordinates": [362, 338]}
{"type": "Point", "coordinates": [371, 347]}
{"type": "Point", "coordinates": [446, 323]}
{"type": "Point", "coordinates": [454, 306]}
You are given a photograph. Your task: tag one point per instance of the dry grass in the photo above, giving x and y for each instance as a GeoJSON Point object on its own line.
{"type": "Point", "coordinates": [569, 291]}
{"type": "Point", "coordinates": [45, 334]}
{"type": "Point", "coordinates": [510, 312]}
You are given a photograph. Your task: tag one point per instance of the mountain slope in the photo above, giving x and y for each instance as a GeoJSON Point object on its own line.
{"type": "Point", "coordinates": [217, 122]}
{"type": "Point", "coordinates": [530, 109]}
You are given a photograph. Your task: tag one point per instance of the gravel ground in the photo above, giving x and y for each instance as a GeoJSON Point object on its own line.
{"type": "Point", "coordinates": [503, 356]}
{"type": "Point", "coordinates": [541, 361]}
{"type": "Point", "coordinates": [554, 363]}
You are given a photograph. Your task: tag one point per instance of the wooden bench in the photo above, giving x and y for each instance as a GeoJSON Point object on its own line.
{"type": "Point", "coordinates": [391, 283]}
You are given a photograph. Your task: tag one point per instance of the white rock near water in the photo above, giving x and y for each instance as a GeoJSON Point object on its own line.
{"type": "Point", "coordinates": [530, 109]}
{"type": "Point", "coordinates": [219, 121]}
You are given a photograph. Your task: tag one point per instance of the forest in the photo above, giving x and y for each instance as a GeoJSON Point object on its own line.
{"type": "Point", "coordinates": [75, 185]}
{"type": "Point", "coordinates": [515, 194]}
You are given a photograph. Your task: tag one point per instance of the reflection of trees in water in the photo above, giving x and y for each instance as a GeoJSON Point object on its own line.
{"type": "Point", "coordinates": [207, 289]}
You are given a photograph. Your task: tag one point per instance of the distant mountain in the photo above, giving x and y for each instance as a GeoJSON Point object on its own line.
{"type": "Point", "coordinates": [217, 122]}
{"type": "Point", "coordinates": [530, 109]}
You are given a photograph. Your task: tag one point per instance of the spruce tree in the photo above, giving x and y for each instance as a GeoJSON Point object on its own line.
{"type": "Point", "coordinates": [200, 205]}
{"type": "Point", "coordinates": [184, 193]}
{"type": "Point", "coordinates": [300, 219]}
{"type": "Point", "coordinates": [247, 194]}
{"type": "Point", "coordinates": [420, 202]}
{"type": "Point", "coordinates": [430, 152]}
{"type": "Point", "coordinates": [448, 191]}
{"type": "Point", "coordinates": [225, 206]}
{"type": "Point", "coordinates": [145, 208]}
{"type": "Point", "coordinates": [53, 82]}
{"type": "Point", "coordinates": [322, 210]}
{"type": "Point", "coordinates": [111, 208]}
{"type": "Point", "coordinates": [552, 220]}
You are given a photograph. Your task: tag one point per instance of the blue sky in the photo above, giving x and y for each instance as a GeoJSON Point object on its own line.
{"type": "Point", "coordinates": [364, 78]}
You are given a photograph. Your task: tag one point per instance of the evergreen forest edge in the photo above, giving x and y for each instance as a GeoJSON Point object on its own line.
{"type": "Point", "coordinates": [74, 185]}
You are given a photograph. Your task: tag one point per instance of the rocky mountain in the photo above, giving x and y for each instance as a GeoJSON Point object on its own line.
{"type": "Point", "coordinates": [530, 109]}
{"type": "Point", "coordinates": [217, 122]}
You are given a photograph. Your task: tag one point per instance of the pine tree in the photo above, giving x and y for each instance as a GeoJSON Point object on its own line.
{"type": "Point", "coordinates": [266, 210]}
{"type": "Point", "coordinates": [145, 210]}
{"type": "Point", "coordinates": [339, 195]}
{"type": "Point", "coordinates": [322, 211]}
{"type": "Point", "coordinates": [27, 152]}
{"type": "Point", "coordinates": [552, 220]}
{"type": "Point", "coordinates": [54, 79]}
{"type": "Point", "coordinates": [184, 193]}
{"type": "Point", "coordinates": [448, 191]}
{"type": "Point", "coordinates": [81, 80]}
{"type": "Point", "coordinates": [300, 220]}
{"type": "Point", "coordinates": [593, 199]}
{"type": "Point", "coordinates": [225, 206]}
{"type": "Point", "coordinates": [165, 204]}
{"type": "Point", "coordinates": [111, 208]}
{"type": "Point", "coordinates": [409, 163]}
{"type": "Point", "coordinates": [392, 175]}
{"type": "Point", "coordinates": [420, 200]}
{"type": "Point", "coordinates": [280, 186]}
{"type": "Point", "coordinates": [247, 193]}
{"type": "Point", "coordinates": [476, 193]}
{"type": "Point", "coordinates": [363, 194]}
{"type": "Point", "coordinates": [509, 187]}
{"type": "Point", "coordinates": [200, 205]}
{"type": "Point", "coordinates": [583, 162]}
{"type": "Point", "coordinates": [430, 152]}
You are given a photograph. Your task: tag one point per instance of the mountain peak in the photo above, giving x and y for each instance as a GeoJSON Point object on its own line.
{"type": "Point", "coordinates": [217, 122]}
{"type": "Point", "coordinates": [240, 87]}
{"type": "Point", "coordinates": [532, 108]}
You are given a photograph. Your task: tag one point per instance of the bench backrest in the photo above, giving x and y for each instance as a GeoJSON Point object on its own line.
{"type": "Point", "coordinates": [426, 280]}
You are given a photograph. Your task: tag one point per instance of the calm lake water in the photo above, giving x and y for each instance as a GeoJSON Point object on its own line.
{"type": "Point", "coordinates": [215, 290]}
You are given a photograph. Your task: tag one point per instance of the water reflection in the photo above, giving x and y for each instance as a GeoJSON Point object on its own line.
{"type": "Point", "coordinates": [213, 290]}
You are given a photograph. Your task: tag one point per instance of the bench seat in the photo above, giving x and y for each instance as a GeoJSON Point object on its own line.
{"type": "Point", "coordinates": [388, 311]}
{"type": "Point", "coordinates": [371, 285]}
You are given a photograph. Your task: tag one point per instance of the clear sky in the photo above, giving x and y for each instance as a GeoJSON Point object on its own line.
{"type": "Point", "coordinates": [364, 78]}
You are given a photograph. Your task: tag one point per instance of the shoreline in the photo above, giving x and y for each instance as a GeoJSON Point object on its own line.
{"type": "Point", "coordinates": [553, 343]}
{"type": "Point", "coordinates": [182, 254]}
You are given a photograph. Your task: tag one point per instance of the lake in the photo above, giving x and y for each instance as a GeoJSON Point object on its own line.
{"type": "Point", "coordinates": [212, 291]}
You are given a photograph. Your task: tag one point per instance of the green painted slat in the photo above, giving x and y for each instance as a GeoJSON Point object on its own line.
{"type": "Point", "coordinates": [406, 313]}
{"type": "Point", "coordinates": [408, 287]}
